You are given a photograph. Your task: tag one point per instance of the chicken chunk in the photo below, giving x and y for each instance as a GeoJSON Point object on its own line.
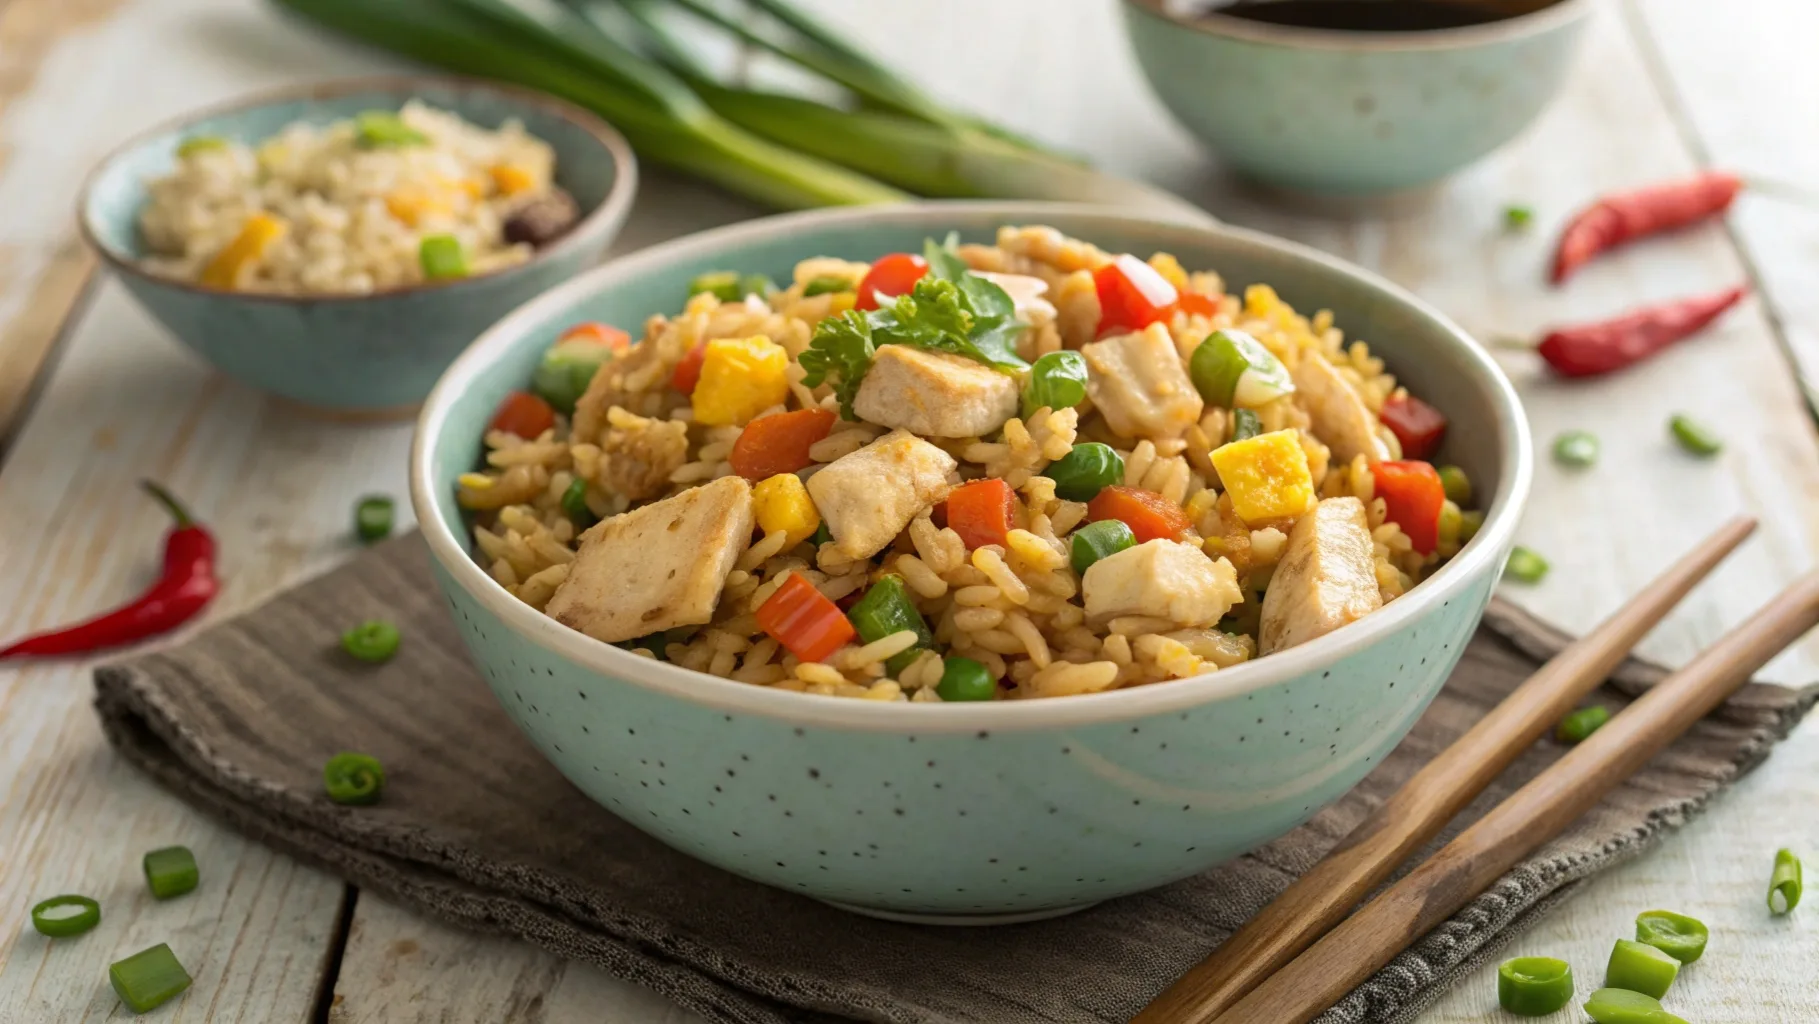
{"type": "Point", "coordinates": [1327, 577]}
{"type": "Point", "coordinates": [1138, 383]}
{"type": "Point", "coordinates": [1341, 419]}
{"type": "Point", "coordinates": [659, 566]}
{"type": "Point", "coordinates": [935, 394]}
{"type": "Point", "coordinates": [1163, 579]}
{"type": "Point", "coordinates": [868, 497]}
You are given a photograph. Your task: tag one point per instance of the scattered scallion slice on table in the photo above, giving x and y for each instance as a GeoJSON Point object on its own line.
{"type": "Point", "coordinates": [1056, 381]}
{"type": "Point", "coordinates": [1581, 723]}
{"type": "Point", "coordinates": [1785, 884]}
{"type": "Point", "coordinates": [1525, 566]}
{"type": "Point", "coordinates": [1576, 448]}
{"type": "Point", "coordinates": [965, 679]}
{"type": "Point", "coordinates": [372, 640]}
{"type": "Point", "coordinates": [1677, 935]}
{"type": "Point", "coordinates": [442, 258]}
{"type": "Point", "coordinates": [1621, 1006]}
{"type": "Point", "coordinates": [62, 916]}
{"type": "Point", "coordinates": [1640, 967]}
{"type": "Point", "coordinates": [149, 978]}
{"type": "Point", "coordinates": [1231, 369]}
{"type": "Point", "coordinates": [1534, 986]}
{"type": "Point", "coordinates": [1515, 218]}
{"type": "Point", "coordinates": [373, 518]}
{"type": "Point", "coordinates": [1694, 437]}
{"type": "Point", "coordinates": [353, 778]}
{"type": "Point", "coordinates": [170, 872]}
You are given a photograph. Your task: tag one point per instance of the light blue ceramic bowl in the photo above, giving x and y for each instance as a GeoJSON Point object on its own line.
{"type": "Point", "coordinates": [1352, 112]}
{"type": "Point", "coordinates": [970, 812]}
{"type": "Point", "coordinates": [360, 354]}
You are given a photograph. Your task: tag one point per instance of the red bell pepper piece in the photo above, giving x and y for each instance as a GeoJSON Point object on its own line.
{"type": "Point", "coordinates": [1419, 426]}
{"type": "Point", "coordinates": [1197, 304]}
{"type": "Point", "coordinates": [687, 373]}
{"type": "Point", "coordinates": [601, 334]}
{"type": "Point", "coordinates": [1149, 515]}
{"type": "Point", "coordinates": [982, 512]}
{"type": "Point", "coordinates": [1413, 494]}
{"type": "Point", "coordinates": [804, 621]}
{"type": "Point", "coordinates": [1132, 295]}
{"type": "Point", "coordinates": [524, 414]}
{"type": "Point", "coordinates": [891, 276]}
{"type": "Point", "coordinates": [779, 443]}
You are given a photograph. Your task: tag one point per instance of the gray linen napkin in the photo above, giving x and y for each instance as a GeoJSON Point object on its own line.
{"type": "Point", "coordinates": [476, 828]}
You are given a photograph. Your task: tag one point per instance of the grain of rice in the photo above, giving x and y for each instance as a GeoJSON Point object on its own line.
{"type": "Point", "coordinates": [815, 672]}
{"type": "Point", "coordinates": [923, 580]}
{"type": "Point", "coordinates": [1018, 625]}
{"type": "Point", "coordinates": [1137, 625]}
{"type": "Point", "coordinates": [973, 620]}
{"type": "Point", "coordinates": [989, 561]}
{"type": "Point", "coordinates": [1062, 678]}
{"type": "Point", "coordinates": [762, 552]}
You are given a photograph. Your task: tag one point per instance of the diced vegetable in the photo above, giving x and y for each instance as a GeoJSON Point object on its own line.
{"type": "Point", "coordinates": [1785, 884]}
{"type": "Point", "coordinates": [1149, 515]}
{"type": "Point", "coordinates": [170, 871]}
{"type": "Point", "coordinates": [524, 414]}
{"type": "Point", "coordinates": [62, 916]}
{"type": "Point", "coordinates": [1534, 986]}
{"type": "Point", "coordinates": [1231, 369]}
{"type": "Point", "coordinates": [1245, 425]}
{"type": "Point", "coordinates": [1621, 1006]}
{"type": "Point", "coordinates": [885, 609]}
{"type": "Point", "coordinates": [1640, 967]}
{"type": "Point", "coordinates": [1086, 470]}
{"type": "Point", "coordinates": [1267, 476]}
{"type": "Point", "coordinates": [200, 144]}
{"type": "Point", "coordinates": [568, 367]}
{"type": "Point", "coordinates": [687, 373]}
{"type": "Point", "coordinates": [149, 978]}
{"type": "Point", "coordinates": [982, 512]}
{"type": "Point", "coordinates": [260, 232]}
{"type": "Point", "coordinates": [1417, 425]}
{"type": "Point", "coordinates": [1525, 566]}
{"type": "Point", "coordinates": [372, 640]}
{"type": "Point", "coordinates": [721, 284]}
{"type": "Point", "coordinates": [1694, 437]}
{"type": "Point", "coordinates": [442, 258]}
{"type": "Point", "coordinates": [740, 378]}
{"type": "Point", "coordinates": [511, 179]}
{"type": "Point", "coordinates": [376, 128]}
{"type": "Point", "coordinates": [1456, 484]}
{"type": "Point", "coordinates": [966, 679]}
{"type": "Point", "coordinates": [1576, 448]}
{"type": "Point", "coordinates": [616, 340]}
{"type": "Point", "coordinates": [1098, 540]}
{"type": "Point", "coordinates": [804, 621]}
{"type": "Point", "coordinates": [779, 443]}
{"type": "Point", "coordinates": [757, 284]}
{"type": "Point", "coordinates": [1470, 522]}
{"type": "Point", "coordinates": [1515, 218]}
{"type": "Point", "coordinates": [354, 779]}
{"type": "Point", "coordinates": [1056, 381]}
{"type": "Point", "coordinates": [1197, 304]}
{"type": "Point", "coordinates": [1677, 935]}
{"type": "Point", "coordinates": [1132, 295]}
{"type": "Point", "coordinates": [826, 284]}
{"type": "Point", "coordinates": [1581, 723]}
{"type": "Point", "coordinates": [1413, 494]}
{"type": "Point", "coordinates": [373, 518]}
{"type": "Point", "coordinates": [574, 505]}
{"type": "Point", "coordinates": [781, 503]}
{"type": "Point", "coordinates": [890, 277]}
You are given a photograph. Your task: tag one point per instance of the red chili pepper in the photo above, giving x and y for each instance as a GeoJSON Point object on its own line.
{"type": "Point", "coordinates": [1626, 216]}
{"type": "Point", "coordinates": [1587, 350]}
{"type": "Point", "coordinates": [185, 586]}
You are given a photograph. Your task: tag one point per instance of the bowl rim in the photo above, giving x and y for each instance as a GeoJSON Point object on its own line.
{"type": "Point", "coordinates": [1521, 26]}
{"type": "Point", "coordinates": [1481, 557]}
{"type": "Point", "coordinates": [611, 209]}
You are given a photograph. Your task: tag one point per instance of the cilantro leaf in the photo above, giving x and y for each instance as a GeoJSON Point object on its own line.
{"type": "Point", "coordinates": [840, 353]}
{"type": "Point", "coordinates": [984, 299]}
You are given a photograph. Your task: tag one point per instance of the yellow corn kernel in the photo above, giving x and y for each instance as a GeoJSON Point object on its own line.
{"type": "Point", "coordinates": [511, 179]}
{"type": "Point", "coordinates": [1260, 300]}
{"type": "Point", "coordinates": [1170, 268]}
{"type": "Point", "coordinates": [1266, 476]}
{"type": "Point", "coordinates": [413, 206]}
{"type": "Point", "coordinates": [740, 378]}
{"type": "Point", "coordinates": [474, 187]}
{"type": "Point", "coordinates": [260, 232]}
{"type": "Point", "coordinates": [782, 503]}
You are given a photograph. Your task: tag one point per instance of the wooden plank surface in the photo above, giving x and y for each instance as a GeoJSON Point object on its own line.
{"type": "Point", "coordinates": [126, 400]}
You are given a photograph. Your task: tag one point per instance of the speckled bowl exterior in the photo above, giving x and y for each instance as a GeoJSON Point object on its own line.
{"type": "Point", "coordinates": [365, 353]}
{"type": "Point", "coordinates": [1353, 112]}
{"type": "Point", "coordinates": [974, 812]}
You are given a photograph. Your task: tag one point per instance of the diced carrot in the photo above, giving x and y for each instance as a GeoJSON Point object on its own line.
{"type": "Point", "coordinates": [1149, 515]}
{"type": "Point", "coordinates": [604, 334]}
{"type": "Point", "coordinates": [804, 621]}
{"type": "Point", "coordinates": [982, 512]}
{"type": "Point", "coordinates": [1197, 304]}
{"type": "Point", "coordinates": [524, 414]}
{"type": "Point", "coordinates": [779, 443]}
{"type": "Point", "coordinates": [1412, 495]}
{"type": "Point", "coordinates": [688, 372]}
{"type": "Point", "coordinates": [510, 179]}
{"type": "Point", "coordinates": [1419, 426]}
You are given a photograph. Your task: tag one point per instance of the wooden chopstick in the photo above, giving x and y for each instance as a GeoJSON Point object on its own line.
{"type": "Point", "coordinates": [1534, 814]}
{"type": "Point", "coordinates": [1418, 811]}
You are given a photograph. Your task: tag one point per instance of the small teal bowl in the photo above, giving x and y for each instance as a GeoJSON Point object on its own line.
{"type": "Point", "coordinates": [364, 355]}
{"type": "Point", "coordinates": [1349, 113]}
{"type": "Point", "coordinates": [964, 813]}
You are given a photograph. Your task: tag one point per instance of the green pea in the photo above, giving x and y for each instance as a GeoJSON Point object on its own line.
{"type": "Point", "coordinates": [1082, 473]}
{"type": "Point", "coordinates": [441, 258]}
{"type": "Point", "coordinates": [377, 128]}
{"type": "Point", "coordinates": [1639, 967]}
{"type": "Point", "coordinates": [827, 284]}
{"type": "Point", "coordinates": [966, 679]}
{"type": "Point", "coordinates": [1470, 522]}
{"type": "Point", "coordinates": [1099, 540]}
{"type": "Point", "coordinates": [1057, 380]}
{"type": "Point", "coordinates": [1525, 566]}
{"type": "Point", "coordinates": [1576, 448]}
{"type": "Point", "coordinates": [1694, 437]}
{"type": "Point", "coordinates": [574, 505]}
{"type": "Point", "coordinates": [373, 518]}
{"type": "Point", "coordinates": [1581, 723]}
{"type": "Point", "coordinates": [1245, 425]}
{"type": "Point", "coordinates": [1621, 1006]}
{"type": "Point", "coordinates": [721, 284]}
{"type": "Point", "coordinates": [1677, 935]}
{"type": "Point", "coordinates": [1456, 484]}
{"type": "Point", "coordinates": [373, 640]}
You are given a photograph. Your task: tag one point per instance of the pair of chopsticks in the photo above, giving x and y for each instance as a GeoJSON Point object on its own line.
{"type": "Point", "coordinates": [1302, 953]}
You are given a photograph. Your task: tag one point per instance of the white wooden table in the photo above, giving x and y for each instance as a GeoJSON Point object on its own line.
{"type": "Point", "coordinates": [1665, 86]}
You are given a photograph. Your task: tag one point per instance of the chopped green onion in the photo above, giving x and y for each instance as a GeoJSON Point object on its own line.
{"type": "Point", "coordinates": [62, 916]}
{"type": "Point", "coordinates": [1694, 437]}
{"type": "Point", "coordinates": [1576, 448]}
{"type": "Point", "coordinates": [1456, 484]}
{"type": "Point", "coordinates": [1516, 218]}
{"type": "Point", "coordinates": [1621, 1006]}
{"type": "Point", "coordinates": [148, 979]}
{"type": "Point", "coordinates": [1232, 369]}
{"type": "Point", "coordinates": [1085, 471]}
{"type": "Point", "coordinates": [966, 679]}
{"type": "Point", "coordinates": [1677, 935]}
{"type": "Point", "coordinates": [441, 258]}
{"type": "Point", "coordinates": [1581, 723]}
{"type": "Point", "coordinates": [373, 518]}
{"type": "Point", "coordinates": [885, 609]}
{"type": "Point", "coordinates": [170, 871]}
{"type": "Point", "coordinates": [827, 284]}
{"type": "Point", "coordinates": [353, 778]}
{"type": "Point", "coordinates": [1639, 967]}
{"type": "Point", "coordinates": [721, 284]}
{"type": "Point", "coordinates": [200, 144]}
{"type": "Point", "coordinates": [1470, 522]}
{"type": "Point", "coordinates": [756, 284]}
{"type": "Point", "coordinates": [566, 370]}
{"type": "Point", "coordinates": [1526, 566]}
{"type": "Point", "coordinates": [574, 505]}
{"type": "Point", "coordinates": [1099, 540]}
{"type": "Point", "coordinates": [1057, 381]}
{"type": "Point", "coordinates": [1450, 520]}
{"type": "Point", "coordinates": [822, 535]}
{"type": "Point", "coordinates": [1534, 986]}
{"type": "Point", "coordinates": [373, 640]}
{"type": "Point", "coordinates": [1784, 885]}
{"type": "Point", "coordinates": [1245, 425]}
{"type": "Point", "coordinates": [376, 128]}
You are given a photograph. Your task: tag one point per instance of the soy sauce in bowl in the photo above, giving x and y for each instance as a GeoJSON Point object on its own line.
{"type": "Point", "coordinates": [1376, 15]}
